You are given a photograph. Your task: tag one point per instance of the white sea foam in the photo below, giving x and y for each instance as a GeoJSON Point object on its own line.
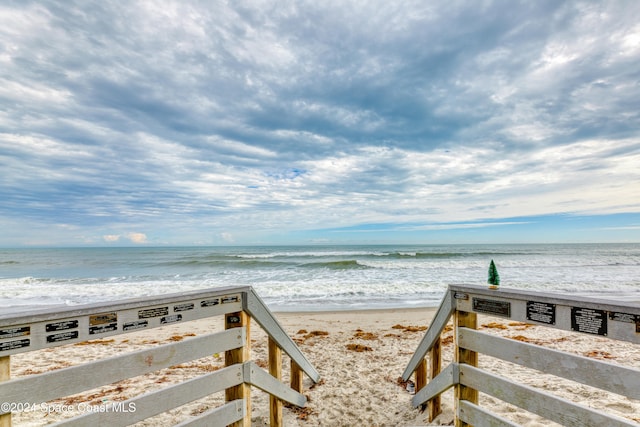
{"type": "Point", "coordinates": [295, 278]}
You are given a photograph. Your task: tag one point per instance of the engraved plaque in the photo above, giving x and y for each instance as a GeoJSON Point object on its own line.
{"type": "Point", "coordinates": [101, 329]}
{"type": "Point", "coordinates": [12, 345]}
{"type": "Point", "coordinates": [589, 321]}
{"type": "Point", "coordinates": [541, 312]}
{"type": "Point", "coordinates": [153, 312]}
{"type": "Point", "coordinates": [20, 331]}
{"type": "Point", "coordinates": [62, 336]}
{"type": "Point", "coordinates": [183, 307]}
{"type": "Point", "coordinates": [210, 302]}
{"type": "Point", "coordinates": [233, 319]}
{"type": "Point", "coordinates": [489, 306]}
{"type": "Point", "coordinates": [230, 298]}
{"type": "Point", "coordinates": [104, 318]}
{"type": "Point", "coordinates": [130, 326]}
{"type": "Point", "coordinates": [61, 326]}
{"type": "Point", "coordinates": [171, 319]}
{"type": "Point", "coordinates": [622, 317]}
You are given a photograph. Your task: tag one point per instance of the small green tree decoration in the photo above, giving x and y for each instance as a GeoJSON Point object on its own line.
{"type": "Point", "coordinates": [494, 277]}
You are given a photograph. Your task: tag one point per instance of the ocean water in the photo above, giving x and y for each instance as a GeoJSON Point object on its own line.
{"type": "Point", "coordinates": [291, 278]}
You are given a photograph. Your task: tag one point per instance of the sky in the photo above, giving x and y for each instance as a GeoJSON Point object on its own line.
{"type": "Point", "coordinates": [318, 122]}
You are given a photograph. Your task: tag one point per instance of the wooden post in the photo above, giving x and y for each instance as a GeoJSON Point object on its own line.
{"type": "Point", "coordinates": [239, 355]}
{"type": "Point", "coordinates": [421, 378]}
{"type": "Point", "coordinates": [462, 355]}
{"type": "Point", "coordinates": [275, 369]}
{"type": "Point", "coordinates": [296, 377]}
{"type": "Point", "coordinates": [5, 375]}
{"type": "Point", "coordinates": [435, 363]}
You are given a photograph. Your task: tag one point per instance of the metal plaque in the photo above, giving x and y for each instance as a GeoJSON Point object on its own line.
{"type": "Point", "coordinates": [230, 298]}
{"type": "Point", "coordinates": [104, 318]}
{"type": "Point", "coordinates": [12, 345]}
{"type": "Point", "coordinates": [589, 321]}
{"type": "Point", "coordinates": [20, 331]}
{"type": "Point", "coordinates": [489, 306]}
{"type": "Point", "coordinates": [623, 317]}
{"type": "Point", "coordinates": [171, 319]}
{"type": "Point", "coordinates": [153, 312]}
{"type": "Point", "coordinates": [210, 302]}
{"type": "Point", "coordinates": [233, 319]}
{"type": "Point", "coordinates": [183, 307]}
{"type": "Point", "coordinates": [101, 329]}
{"type": "Point", "coordinates": [61, 326]}
{"type": "Point", "coordinates": [460, 295]}
{"type": "Point", "coordinates": [130, 326]}
{"type": "Point", "coordinates": [63, 336]}
{"type": "Point", "coordinates": [541, 312]}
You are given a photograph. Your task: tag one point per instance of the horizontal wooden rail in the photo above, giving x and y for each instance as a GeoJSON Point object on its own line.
{"type": "Point", "coordinates": [157, 402]}
{"type": "Point", "coordinates": [160, 401]}
{"type": "Point", "coordinates": [219, 417]}
{"type": "Point", "coordinates": [606, 376]}
{"type": "Point", "coordinates": [68, 325]}
{"type": "Point", "coordinates": [443, 382]}
{"type": "Point", "coordinates": [539, 402]}
{"type": "Point", "coordinates": [612, 319]}
{"type": "Point", "coordinates": [479, 417]}
{"type": "Point", "coordinates": [567, 299]}
{"type": "Point", "coordinates": [54, 384]}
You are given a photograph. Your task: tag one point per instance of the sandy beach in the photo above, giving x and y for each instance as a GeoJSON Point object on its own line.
{"type": "Point", "coordinates": [360, 356]}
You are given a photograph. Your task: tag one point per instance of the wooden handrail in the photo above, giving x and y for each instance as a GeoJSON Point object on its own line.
{"type": "Point", "coordinates": [258, 310]}
{"type": "Point", "coordinates": [54, 384]}
{"type": "Point", "coordinates": [156, 402]}
{"type": "Point", "coordinates": [442, 317]}
{"type": "Point", "coordinates": [61, 312]}
{"type": "Point", "coordinates": [44, 329]}
{"type": "Point", "coordinates": [537, 401]}
{"type": "Point", "coordinates": [611, 319]}
{"type": "Point", "coordinates": [614, 378]}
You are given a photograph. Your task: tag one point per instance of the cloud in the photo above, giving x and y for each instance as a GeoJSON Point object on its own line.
{"type": "Point", "coordinates": [261, 120]}
{"type": "Point", "coordinates": [138, 238]}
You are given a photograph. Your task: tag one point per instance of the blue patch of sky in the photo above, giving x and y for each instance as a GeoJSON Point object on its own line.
{"type": "Point", "coordinates": [531, 229]}
{"type": "Point", "coordinates": [286, 174]}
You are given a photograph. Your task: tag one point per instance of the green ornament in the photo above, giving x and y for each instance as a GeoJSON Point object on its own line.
{"type": "Point", "coordinates": [494, 277]}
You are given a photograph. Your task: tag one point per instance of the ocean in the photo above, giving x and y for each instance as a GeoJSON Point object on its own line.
{"type": "Point", "coordinates": [301, 278]}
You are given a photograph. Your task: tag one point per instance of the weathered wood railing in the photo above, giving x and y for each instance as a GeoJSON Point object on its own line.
{"type": "Point", "coordinates": [46, 329]}
{"type": "Point", "coordinates": [615, 320]}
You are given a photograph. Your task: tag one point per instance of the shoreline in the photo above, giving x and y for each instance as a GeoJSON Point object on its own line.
{"type": "Point", "coordinates": [360, 355]}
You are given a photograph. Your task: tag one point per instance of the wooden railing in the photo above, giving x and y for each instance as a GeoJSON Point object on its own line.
{"type": "Point", "coordinates": [614, 320]}
{"type": "Point", "coordinates": [46, 329]}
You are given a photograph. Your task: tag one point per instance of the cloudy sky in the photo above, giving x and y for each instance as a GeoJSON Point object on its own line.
{"type": "Point", "coordinates": [279, 122]}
